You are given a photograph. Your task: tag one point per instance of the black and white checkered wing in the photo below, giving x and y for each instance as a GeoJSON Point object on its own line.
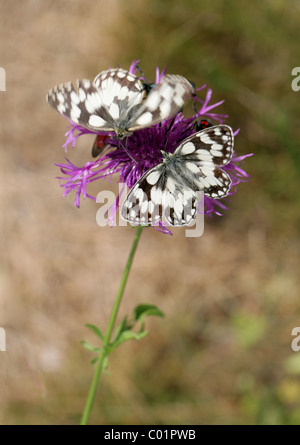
{"type": "Point", "coordinates": [180, 204]}
{"type": "Point", "coordinates": [122, 94]}
{"type": "Point", "coordinates": [143, 204]}
{"type": "Point", "coordinates": [101, 105]}
{"type": "Point", "coordinates": [159, 193]}
{"type": "Point", "coordinates": [170, 189]}
{"type": "Point", "coordinates": [201, 156]}
{"type": "Point", "coordinates": [164, 100]}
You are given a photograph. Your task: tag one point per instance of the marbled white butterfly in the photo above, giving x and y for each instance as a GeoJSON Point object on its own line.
{"type": "Point", "coordinates": [115, 101]}
{"type": "Point", "coordinates": [170, 188]}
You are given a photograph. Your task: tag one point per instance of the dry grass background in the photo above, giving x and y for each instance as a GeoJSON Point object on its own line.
{"type": "Point", "coordinates": [231, 297]}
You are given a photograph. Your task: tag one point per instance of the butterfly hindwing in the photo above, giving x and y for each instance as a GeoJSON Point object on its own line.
{"type": "Point", "coordinates": [144, 203]}
{"type": "Point", "coordinates": [179, 207]}
{"type": "Point", "coordinates": [160, 193]}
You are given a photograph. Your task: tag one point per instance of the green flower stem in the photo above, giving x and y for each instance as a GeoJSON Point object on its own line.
{"type": "Point", "coordinates": [93, 389]}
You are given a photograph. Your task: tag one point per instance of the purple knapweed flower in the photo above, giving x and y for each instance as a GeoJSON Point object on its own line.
{"type": "Point", "coordinates": [130, 158]}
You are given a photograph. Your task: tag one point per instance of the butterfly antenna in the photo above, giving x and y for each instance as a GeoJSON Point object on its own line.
{"type": "Point", "coordinates": [196, 112]}
{"type": "Point", "coordinates": [200, 124]}
{"type": "Point", "coordinates": [147, 86]}
{"type": "Point", "coordinates": [194, 107]}
{"type": "Point", "coordinates": [168, 130]}
{"type": "Point", "coordinates": [142, 73]}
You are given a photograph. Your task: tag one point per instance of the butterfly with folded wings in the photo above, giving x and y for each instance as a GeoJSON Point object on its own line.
{"type": "Point", "coordinates": [115, 101]}
{"type": "Point", "coordinates": [169, 189]}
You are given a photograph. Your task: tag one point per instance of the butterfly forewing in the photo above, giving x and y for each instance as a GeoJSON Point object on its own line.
{"type": "Point", "coordinates": [144, 203]}
{"type": "Point", "coordinates": [83, 107]}
{"type": "Point", "coordinates": [102, 105]}
{"type": "Point", "coordinates": [213, 144]}
{"type": "Point", "coordinates": [121, 92]}
{"type": "Point", "coordinates": [201, 156]}
{"type": "Point", "coordinates": [164, 100]}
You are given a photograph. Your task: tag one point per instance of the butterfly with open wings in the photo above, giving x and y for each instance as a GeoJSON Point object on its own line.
{"type": "Point", "coordinates": [169, 189]}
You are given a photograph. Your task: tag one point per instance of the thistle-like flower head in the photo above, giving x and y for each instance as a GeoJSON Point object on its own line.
{"type": "Point", "coordinates": [143, 149]}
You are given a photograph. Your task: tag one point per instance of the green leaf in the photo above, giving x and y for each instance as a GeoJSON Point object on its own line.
{"type": "Point", "coordinates": [129, 335]}
{"type": "Point", "coordinates": [122, 327]}
{"type": "Point", "coordinates": [90, 347]}
{"type": "Point", "coordinates": [124, 330]}
{"type": "Point", "coordinates": [96, 330]}
{"type": "Point", "coordinates": [143, 310]}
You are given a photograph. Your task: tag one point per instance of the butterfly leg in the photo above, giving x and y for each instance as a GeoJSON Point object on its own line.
{"type": "Point", "coordinates": [127, 151]}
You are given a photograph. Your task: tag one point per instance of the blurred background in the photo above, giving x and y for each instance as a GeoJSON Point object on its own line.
{"type": "Point", "coordinates": [222, 354]}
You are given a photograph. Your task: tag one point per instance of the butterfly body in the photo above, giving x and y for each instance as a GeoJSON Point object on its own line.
{"type": "Point", "coordinates": [99, 144]}
{"type": "Point", "coordinates": [169, 189]}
